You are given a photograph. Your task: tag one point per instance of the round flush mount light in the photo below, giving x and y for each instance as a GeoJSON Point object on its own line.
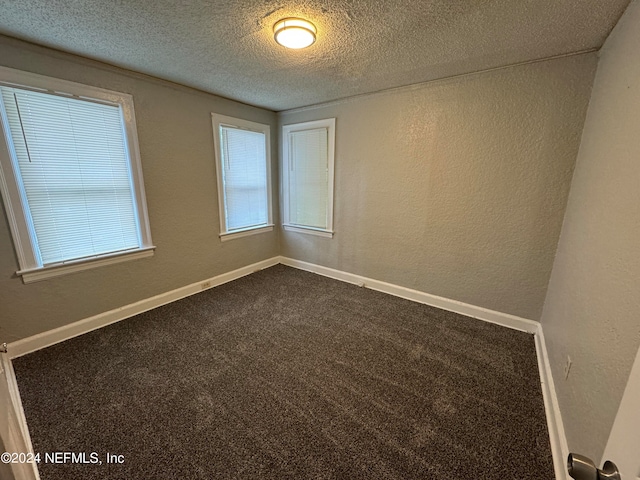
{"type": "Point", "coordinates": [294, 33]}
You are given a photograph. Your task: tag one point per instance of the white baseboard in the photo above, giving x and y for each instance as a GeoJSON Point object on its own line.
{"type": "Point", "coordinates": [45, 339]}
{"type": "Point", "coordinates": [492, 316]}
{"type": "Point", "coordinates": [51, 337]}
{"type": "Point", "coordinates": [557, 437]}
{"type": "Point", "coordinates": [13, 424]}
{"type": "Point", "coordinates": [57, 335]}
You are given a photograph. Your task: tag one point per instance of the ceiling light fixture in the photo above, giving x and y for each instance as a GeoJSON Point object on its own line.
{"type": "Point", "coordinates": [294, 33]}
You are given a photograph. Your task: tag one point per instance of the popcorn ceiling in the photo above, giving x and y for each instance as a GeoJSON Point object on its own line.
{"type": "Point", "coordinates": [227, 47]}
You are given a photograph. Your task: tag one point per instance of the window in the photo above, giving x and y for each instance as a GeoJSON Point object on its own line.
{"type": "Point", "coordinates": [71, 175]}
{"type": "Point", "coordinates": [243, 166]}
{"type": "Point", "coordinates": [308, 154]}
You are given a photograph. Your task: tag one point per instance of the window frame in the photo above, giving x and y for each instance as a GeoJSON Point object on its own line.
{"type": "Point", "coordinates": [16, 205]}
{"type": "Point", "coordinates": [330, 125]}
{"type": "Point", "coordinates": [218, 120]}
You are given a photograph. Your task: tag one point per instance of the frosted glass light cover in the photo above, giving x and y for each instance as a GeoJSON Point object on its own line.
{"type": "Point", "coordinates": [294, 33]}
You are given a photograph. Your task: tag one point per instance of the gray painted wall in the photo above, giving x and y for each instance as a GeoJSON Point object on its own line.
{"type": "Point", "coordinates": [176, 147]}
{"type": "Point", "coordinates": [456, 188]}
{"type": "Point", "coordinates": [591, 310]}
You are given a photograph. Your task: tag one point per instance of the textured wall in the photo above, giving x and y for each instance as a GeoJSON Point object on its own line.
{"type": "Point", "coordinates": [591, 310]}
{"type": "Point", "coordinates": [176, 147]}
{"type": "Point", "coordinates": [457, 187]}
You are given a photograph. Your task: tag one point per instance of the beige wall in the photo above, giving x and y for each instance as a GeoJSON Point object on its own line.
{"type": "Point", "coordinates": [176, 147]}
{"type": "Point", "coordinates": [592, 310]}
{"type": "Point", "coordinates": [456, 188]}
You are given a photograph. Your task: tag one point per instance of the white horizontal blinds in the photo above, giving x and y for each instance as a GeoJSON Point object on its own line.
{"type": "Point", "coordinates": [308, 178]}
{"type": "Point", "coordinates": [74, 168]}
{"type": "Point", "coordinates": [244, 162]}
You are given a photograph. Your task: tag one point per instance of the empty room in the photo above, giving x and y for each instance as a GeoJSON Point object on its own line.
{"type": "Point", "coordinates": [320, 240]}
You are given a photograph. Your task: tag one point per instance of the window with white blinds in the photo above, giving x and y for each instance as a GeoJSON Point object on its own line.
{"type": "Point", "coordinates": [308, 177]}
{"type": "Point", "coordinates": [243, 168]}
{"type": "Point", "coordinates": [70, 162]}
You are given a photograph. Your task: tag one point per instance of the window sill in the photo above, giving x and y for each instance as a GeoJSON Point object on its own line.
{"type": "Point", "coordinates": [42, 273]}
{"type": "Point", "coordinates": [309, 230]}
{"type": "Point", "coordinates": [245, 232]}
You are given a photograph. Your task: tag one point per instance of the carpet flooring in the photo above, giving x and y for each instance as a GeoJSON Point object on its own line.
{"type": "Point", "coordinates": [285, 374]}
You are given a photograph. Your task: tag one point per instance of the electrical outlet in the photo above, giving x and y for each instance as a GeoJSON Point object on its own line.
{"type": "Point", "coordinates": [567, 367]}
{"type": "Point", "coordinates": [206, 285]}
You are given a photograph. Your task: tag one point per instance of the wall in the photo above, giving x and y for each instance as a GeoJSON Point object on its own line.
{"type": "Point", "coordinates": [176, 147]}
{"type": "Point", "coordinates": [458, 187]}
{"type": "Point", "coordinates": [592, 308]}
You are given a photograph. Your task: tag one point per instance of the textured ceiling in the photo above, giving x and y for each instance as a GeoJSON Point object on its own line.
{"type": "Point", "coordinates": [227, 47]}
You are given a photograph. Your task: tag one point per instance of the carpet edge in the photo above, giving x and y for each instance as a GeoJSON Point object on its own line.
{"type": "Point", "coordinates": [466, 309]}
{"type": "Point", "coordinates": [71, 330]}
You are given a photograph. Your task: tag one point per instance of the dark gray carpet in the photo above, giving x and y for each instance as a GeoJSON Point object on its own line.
{"type": "Point", "coordinates": [285, 374]}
